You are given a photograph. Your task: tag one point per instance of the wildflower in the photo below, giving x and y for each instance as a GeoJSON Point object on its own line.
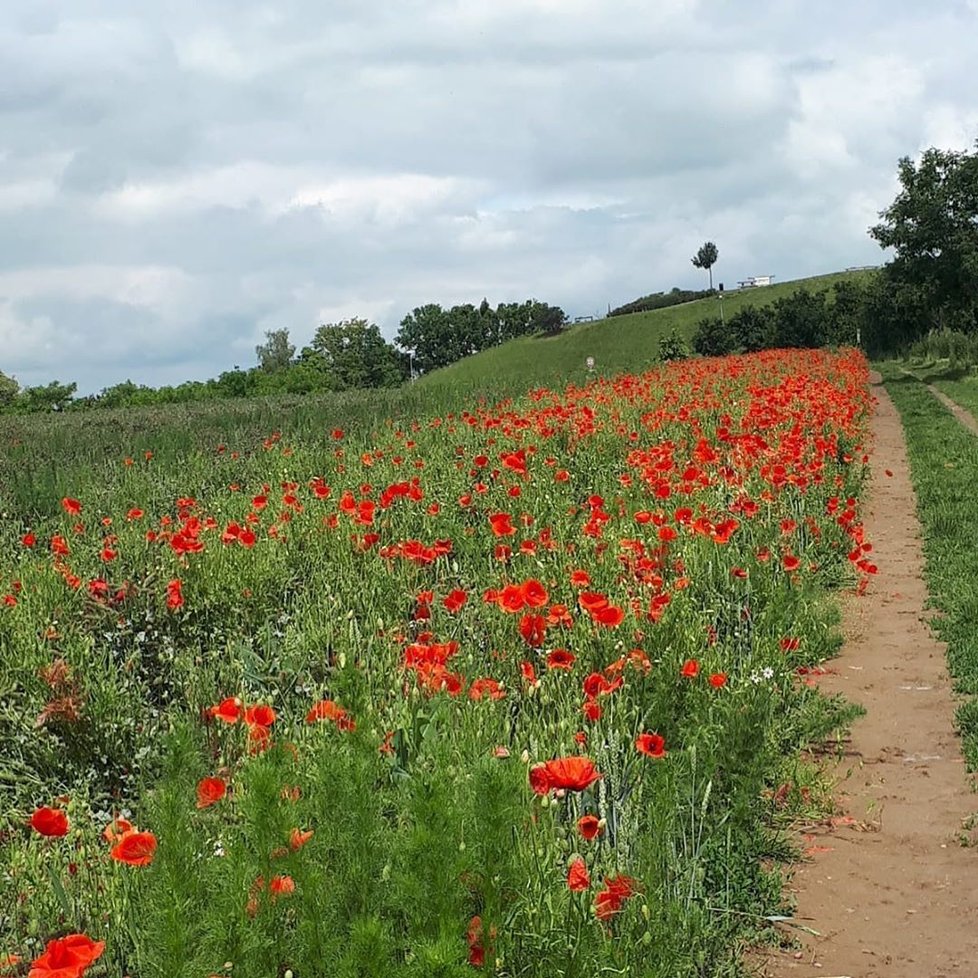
{"type": "Point", "coordinates": [691, 669]}
{"type": "Point", "coordinates": [228, 710]}
{"type": "Point", "coordinates": [560, 659]}
{"type": "Point", "coordinates": [651, 744]}
{"type": "Point", "coordinates": [298, 838]}
{"type": "Point", "coordinates": [116, 829]}
{"type": "Point", "coordinates": [589, 827]}
{"type": "Point", "coordinates": [49, 822]}
{"type": "Point", "coordinates": [71, 506]}
{"type": "Point", "coordinates": [569, 773]}
{"type": "Point", "coordinates": [135, 848]}
{"type": "Point", "coordinates": [616, 891]}
{"type": "Point", "coordinates": [718, 680]}
{"type": "Point", "coordinates": [67, 957]}
{"type": "Point", "coordinates": [577, 876]}
{"type": "Point", "coordinates": [210, 791]}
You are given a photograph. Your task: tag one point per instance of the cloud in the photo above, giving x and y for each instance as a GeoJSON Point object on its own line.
{"type": "Point", "coordinates": [176, 179]}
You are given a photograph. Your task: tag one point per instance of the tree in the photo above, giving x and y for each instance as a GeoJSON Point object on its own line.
{"type": "Point", "coordinates": [276, 352]}
{"type": "Point", "coordinates": [546, 318]}
{"type": "Point", "coordinates": [50, 397]}
{"type": "Point", "coordinates": [706, 258]}
{"type": "Point", "coordinates": [356, 355]}
{"type": "Point", "coordinates": [8, 390]}
{"type": "Point", "coordinates": [427, 333]}
{"type": "Point", "coordinates": [932, 226]}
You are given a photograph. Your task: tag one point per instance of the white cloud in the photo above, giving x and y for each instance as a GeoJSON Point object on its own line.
{"type": "Point", "coordinates": [174, 179]}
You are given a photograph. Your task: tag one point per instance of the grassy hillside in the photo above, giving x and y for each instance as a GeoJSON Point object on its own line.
{"type": "Point", "coordinates": [617, 344]}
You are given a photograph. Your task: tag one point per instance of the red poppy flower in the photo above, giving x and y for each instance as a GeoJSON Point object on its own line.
{"type": "Point", "coordinates": [568, 773]}
{"type": "Point", "coordinates": [718, 679]}
{"type": "Point", "coordinates": [50, 822]}
{"type": "Point", "coordinates": [580, 578]}
{"type": "Point", "coordinates": [174, 595]}
{"type": "Point", "coordinates": [691, 669]}
{"type": "Point", "coordinates": [259, 715]}
{"type": "Point", "coordinates": [560, 659]}
{"type": "Point", "coordinates": [609, 901]}
{"type": "Point", "coordinates": [790, 563]}
{"type": "Point", "coordinates": [455, 600]}
{"type": "Point", "coordinates": [67, 957]}
{"type": "Point", "coordinates": [533, 628]}
{"type": "Point", "coordinates": [577, 876]}
{"type": "Point", "coordinates": [611, 616]}
{"type": "Point", "coordinates": [534, 593]}
{"type": "Point", "coordinates": [228, 710]}
{"type": "Point", "coordinates": [651, 744]}
{"type": "Point", "coordinates": [135, 848]}
{"type": "Point", "coordinates": [298, 838]}
{"type": "Point", "coordinates": [592, 602]}
{"type": "Point", "coordinates": [589, 826]}
{"type": "Point", "coordinates": [502, 524]}
{"type": "Point", "coordinates": [210, 791]}
{"type": "Point", "coordinates": [282, 885]}
{"type": "Point", "coordinates": [116, 829]}
{"type": "Point", "coordinates": [71, 506]}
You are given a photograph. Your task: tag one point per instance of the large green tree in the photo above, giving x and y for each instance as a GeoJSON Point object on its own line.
{"type": "Point", "coordinates": [706, 258]}
{"type": "Point", "coordinates": [932, 227]}
{"type": "Point", "coordinates": [276, 352]}
{"type": "Point", "coordinates": [8, 390]}
{"type": "Point", "coordinates": [355, 353]}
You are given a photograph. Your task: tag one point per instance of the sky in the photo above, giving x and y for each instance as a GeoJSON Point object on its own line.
{"type": "Point", "coordinates": [177, 178]}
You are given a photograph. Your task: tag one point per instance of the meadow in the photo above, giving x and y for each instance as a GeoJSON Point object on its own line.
{"type": "Point", "coordinates": [518, 686]}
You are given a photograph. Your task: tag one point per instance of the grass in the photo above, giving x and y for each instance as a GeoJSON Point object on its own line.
{"type": "Point", "coordinates": [943, 462]}
{"type": "Point", "coordinates": [617, 344]}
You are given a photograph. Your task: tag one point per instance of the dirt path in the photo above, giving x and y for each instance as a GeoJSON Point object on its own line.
{"type": "Point", "coordinates": [965, 417]}
{"type": "Point", "coordinates": [889, 887]}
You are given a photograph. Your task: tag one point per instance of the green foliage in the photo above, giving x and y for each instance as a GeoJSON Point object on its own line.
{"type": "Point", "coordinates": [713, 338]}
{"type": "Point", "coordinates": [753, 328]}
{"type": "Point", "coordinates": [659, 300]}
{"type": "Point", "coordinates": [353, 355]}
{"type": "Point", "coordinates": [932, 225]}
{"type": "Point", "coordinates": [8, 390]}
{"type": "Point", "coordinates": [45, 398]}
{"type": "Point", "coordinates": [438, 337]}
{"type": "Point", "coordinates": [276, 352]}
{"type": "Point", "coordinates": [672, 347]}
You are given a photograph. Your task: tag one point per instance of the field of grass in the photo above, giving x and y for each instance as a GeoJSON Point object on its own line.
{"type": "Point", "coordinates": [518, 688]}
{"type": "Point", "coordinates": [944, 460]}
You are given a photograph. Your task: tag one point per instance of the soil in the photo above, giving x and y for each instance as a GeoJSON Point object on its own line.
{"type": "Point", "coordinates": [891, 882]}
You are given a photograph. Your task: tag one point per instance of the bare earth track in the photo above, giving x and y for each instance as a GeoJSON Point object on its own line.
{"type": "Point", "coordinates": [891, 888]}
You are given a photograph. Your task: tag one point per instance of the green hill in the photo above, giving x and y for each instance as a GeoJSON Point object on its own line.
{"type": "Point", "coordinates": [617, 344]}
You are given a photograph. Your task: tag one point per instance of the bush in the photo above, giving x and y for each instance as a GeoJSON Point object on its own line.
{"type": "Point", "coordinates": [672, 347]}
{"type": "Point", "coordinates": [712, 338]}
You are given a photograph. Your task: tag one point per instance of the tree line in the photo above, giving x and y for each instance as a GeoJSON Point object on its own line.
{"type": "Point", "coordinates": [348, 355]}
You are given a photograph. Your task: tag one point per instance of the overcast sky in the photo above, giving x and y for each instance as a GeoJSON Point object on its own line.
{"type": "Point", "coordinates": [178, 177]}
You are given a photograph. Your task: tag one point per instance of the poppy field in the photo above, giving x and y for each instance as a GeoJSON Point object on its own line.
{"type": "Point", "coordinates": [518, 689]}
